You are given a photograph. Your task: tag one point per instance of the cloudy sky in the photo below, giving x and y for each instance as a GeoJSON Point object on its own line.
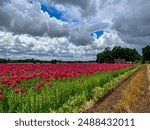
{"type": "Point", "coordinates": [71, 29]}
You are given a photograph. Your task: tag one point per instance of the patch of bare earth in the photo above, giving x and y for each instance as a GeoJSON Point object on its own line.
{"type": "Point", "coordinates": [132, 95]}
{"type": "Point", "coordinates": [144, 101]}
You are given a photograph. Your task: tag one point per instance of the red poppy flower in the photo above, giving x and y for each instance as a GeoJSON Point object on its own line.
{"type": "Point", "coordinates": [23, 90]}
{"type": "Point", "coordinates": [1, 92]}
{"type": "Point", "coordinates": [40, 85]}
{"type": "Point", "coordinates": [1, 98]}
{"type": "Point", "coordinates": [36, 88]}
{"type": "Point", "coordinates": [16, 90]}
{"type": "Point", "coordinates": [13, 84]}
{"type": "Point", "coordinates": [3, 77]}
{"type": "Point", "coordinates": [50, 85]}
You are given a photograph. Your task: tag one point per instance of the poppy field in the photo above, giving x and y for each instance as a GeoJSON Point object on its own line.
{"type": "Point", "coordinates": [56, 87]}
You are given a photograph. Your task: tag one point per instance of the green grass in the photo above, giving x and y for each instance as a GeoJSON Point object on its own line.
{"type": "Point", "coordinates": [66, 95]}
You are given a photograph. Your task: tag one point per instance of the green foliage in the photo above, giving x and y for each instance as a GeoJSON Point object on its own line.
{"type": "Point", "coordinates": [146, 54]}
{"type": "Point", "coordinates": [118, 52]}
{"type": "Point", "coordinates": [105, 56]}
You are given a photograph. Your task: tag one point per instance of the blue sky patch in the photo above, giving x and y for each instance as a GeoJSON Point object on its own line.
{"type": "Point", "coordinates": [53, 12]}
{"type": "Point", "coordinates": [98, 33]}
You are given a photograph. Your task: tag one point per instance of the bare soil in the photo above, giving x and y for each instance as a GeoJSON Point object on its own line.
{"type": "Point", "coordinates": [108, 103]}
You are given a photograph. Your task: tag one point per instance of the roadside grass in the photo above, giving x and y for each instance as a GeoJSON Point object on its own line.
{"type": "Point", "coordinates": [130, 96]}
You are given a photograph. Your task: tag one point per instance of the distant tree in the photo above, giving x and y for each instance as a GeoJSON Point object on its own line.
{"type": "Point", "coordinates": [54, 61]}
{"type": "Point", "coordinates": [105, 56]}
{"type": "Point", "coordinates": [135, 55]}
{"type": "Point", "coordinates": [3, 61]}
{"type": "Point", "coordinates": [146, 53]}
{"type": "Point", "coordinates": [118, 52]}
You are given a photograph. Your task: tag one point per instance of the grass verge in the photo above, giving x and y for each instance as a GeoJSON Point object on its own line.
{"type": "Point", "coordinates": [131, 94]}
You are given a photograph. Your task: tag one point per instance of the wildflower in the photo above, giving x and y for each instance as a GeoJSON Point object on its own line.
{"type": "Point", "coordinates": [1, 98]}
{"type": "Point", "coordinates": [3, 77]}
{"type": "Point", "coordinates": [40, 85]}
{"type": "Point", "coordinates": [23, 90]}
{"type": "Point", "coordinates": [16, 90]}
{"type": "Point", "coordinates": [18, 80]}
{"type": "Point", "coordinates": [1, 92]}
{"type": "Point", "coordinates": [50, 84]}
{"type": "Point", "coordinates": [36, 87]}
{"type": "Point", "coordinates": [13, 84]}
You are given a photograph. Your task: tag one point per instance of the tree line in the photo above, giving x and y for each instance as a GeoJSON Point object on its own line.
{"type": "Point", "coordinates": [2, 60]}
{"type": "Point", "coordinates": [53, 61]}
{"type": "Point", "coordinates": [129, 55]}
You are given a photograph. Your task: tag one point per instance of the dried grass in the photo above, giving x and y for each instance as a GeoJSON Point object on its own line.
{"type": "Point", "coordinates": [130, 96]}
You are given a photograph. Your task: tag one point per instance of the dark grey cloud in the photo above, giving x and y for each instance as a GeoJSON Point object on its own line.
{"type": "Point", "coordinates": [81, 3]}
{"type": "Point", "coordinates": [3, 2]}
{"type": "Point", "coordinates": [86, 7]}
{"type": "Point", "coordinates": [25, 18]}
{"type": "Point", "coordinates": [133, 24]}
{"type": "Point", "coordinates": [5, 19]}
{"type": "Point", "coordinates": [81, 35]}
{"type": "Point", "coordinates": [140, 40]}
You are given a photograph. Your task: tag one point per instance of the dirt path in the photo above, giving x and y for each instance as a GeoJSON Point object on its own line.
{"type": "Point", "coordinates": [144, 102]}
{"type": "Point", "coordinates": [132, 95]}
{"type": "Point", "coordinates": [148, 73]}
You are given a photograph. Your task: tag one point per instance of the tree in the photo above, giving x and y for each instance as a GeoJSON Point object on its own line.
{"type": "Point", "coordinates": [146, 53]}
{"type": "Point", "coordinates": [118, 52]}
{"type": "Point", "coordinates": [105, 56]}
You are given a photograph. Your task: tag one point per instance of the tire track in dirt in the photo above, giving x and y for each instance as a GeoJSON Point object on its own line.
{"type": "Point", "coordinates": [133, 94]}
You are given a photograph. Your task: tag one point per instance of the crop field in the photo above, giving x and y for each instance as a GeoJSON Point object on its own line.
{"type": "Point", "coordinates": [56, 87]}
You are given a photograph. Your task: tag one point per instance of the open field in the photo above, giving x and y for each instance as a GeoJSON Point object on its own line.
{"type": "Point", "coordinates": [57, 87]}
